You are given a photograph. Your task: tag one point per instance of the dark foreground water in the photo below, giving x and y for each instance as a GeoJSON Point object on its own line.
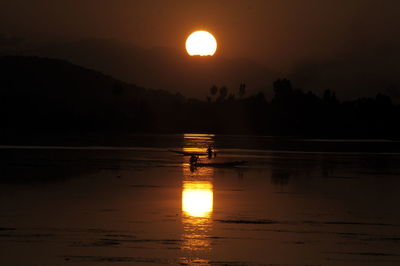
{"type": "Point", "coordinates": [296, 202]}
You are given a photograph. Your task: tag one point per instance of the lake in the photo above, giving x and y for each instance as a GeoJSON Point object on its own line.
{"type": "Point", "coordinates": [295, 202]}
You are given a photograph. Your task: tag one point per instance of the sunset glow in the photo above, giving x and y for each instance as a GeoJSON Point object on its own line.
{"type": "Point", "coordinates": [201, 43]}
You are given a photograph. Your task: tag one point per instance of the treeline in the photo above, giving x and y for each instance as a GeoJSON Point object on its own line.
{"type": "Point", "coordinates": [43, 97]}
{"type": "Point", "coordinates": [293, 112]}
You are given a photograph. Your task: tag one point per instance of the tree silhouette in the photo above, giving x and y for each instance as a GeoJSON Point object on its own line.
{"type": "Point", "coordinates": [223, 92]}
{"type": "Point", "coordinates": [282, 88]}
{"type": "Point", "coordinates": [101, 104]}
{"type": "Point", "coordinates": [214, 90]}
{"type": "Point", "coordinates": [242, 90]}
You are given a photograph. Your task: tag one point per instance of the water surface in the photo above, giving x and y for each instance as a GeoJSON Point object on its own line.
{"type": "Point", "coordinates": [296, 202]}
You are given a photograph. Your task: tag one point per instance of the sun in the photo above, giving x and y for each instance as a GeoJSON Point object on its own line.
{"type": "Point", "coordinates": [201, 43]}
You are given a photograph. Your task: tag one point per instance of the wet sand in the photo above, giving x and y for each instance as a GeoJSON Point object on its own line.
{"type": "Point", "coordinates": [144, 206]}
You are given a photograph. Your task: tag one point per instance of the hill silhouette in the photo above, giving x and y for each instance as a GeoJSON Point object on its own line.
{"type": "Point", "coordinates": [39, 94]}
{"type": "Point", "coordinates": [356, 72]}
{"type": "Point", "coordinates": [159, 67]}
{"type": "Point", "coordinates": [44, 100]}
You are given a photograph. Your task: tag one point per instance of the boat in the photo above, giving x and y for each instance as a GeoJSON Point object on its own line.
{"type": "Point", "coordinates": [185, 153]}
{"type": "Point", "coordinates": [221, 164]}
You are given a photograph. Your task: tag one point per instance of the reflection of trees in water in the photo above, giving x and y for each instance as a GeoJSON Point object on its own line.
{"type": "Point", "coordinates": [282, 167]}
{"type": "Point", "coordinates": [280, 176]}
{"type": "Point", "coordinates": [28, 174]}
{"type": "Point", "coordinates": [382, 164]}
{"type": "Point", "coordinates": [327, 167]}
{"type": "Point", "coordinates": [240, 173]}
{"type": "Point", "coordinates": [285, 167]}
{"type": "Point", "coordinates": [36, 166]}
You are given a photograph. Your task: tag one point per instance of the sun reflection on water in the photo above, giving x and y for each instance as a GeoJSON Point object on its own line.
{"type": "Point", "coordinates": [197, 198]}
{"type": "Point", "coordinates": [197, 208]}
{"type": "Point", "coordinates": [197, 204]}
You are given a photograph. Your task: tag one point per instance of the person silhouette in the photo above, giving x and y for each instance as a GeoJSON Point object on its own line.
{"type": "Point", "coordinates": [193, 160]}
{"type": "Point", "coordinates": [209, 152]}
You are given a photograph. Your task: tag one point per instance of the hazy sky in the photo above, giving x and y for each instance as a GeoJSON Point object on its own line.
{"type": "Point", "coordinates": [273, 32]}
{"type": "Point", "coordinates": [351, 46]}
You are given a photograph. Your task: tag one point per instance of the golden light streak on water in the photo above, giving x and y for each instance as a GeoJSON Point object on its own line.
{"type": "Point", "coordinates": [197, 203]}
{"type": "Point", "coordinates": [197, 198]}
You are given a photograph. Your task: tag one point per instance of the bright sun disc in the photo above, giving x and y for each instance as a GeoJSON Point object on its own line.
{"type": "Point", "coordinates": [201, 43]}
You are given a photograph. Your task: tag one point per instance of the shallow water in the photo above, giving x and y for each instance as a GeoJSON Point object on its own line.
{"type": "Point", "coordinates": [296, 202]}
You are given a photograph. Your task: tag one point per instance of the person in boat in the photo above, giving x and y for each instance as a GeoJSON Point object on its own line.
{"type": "Point", "coordinates": [209, 152]}
{"type": "Point", "coordinates": [193, 160]}
{"type": "Point", "coordinates": [192, 168]}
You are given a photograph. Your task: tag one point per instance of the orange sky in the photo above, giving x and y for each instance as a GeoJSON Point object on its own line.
{"type": "Point", "coordinates": [281, 33]}
{"type": "Point", "coordinates": [348, 46]}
